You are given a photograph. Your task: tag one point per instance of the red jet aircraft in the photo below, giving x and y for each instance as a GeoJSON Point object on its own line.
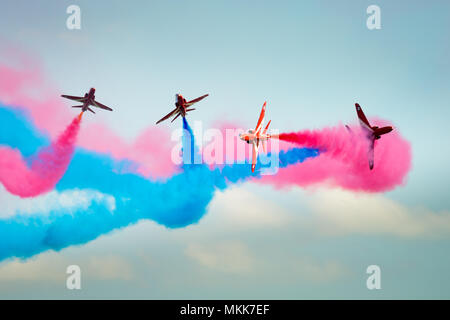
{"type": "Point", "coordinates": [372, 133]}
{"type": "Point", "coordinates": [254, 136]}
{"type": "Point", "coordinates": [181, 107]}
{"type": "Point", "coordinates": [87, 100]}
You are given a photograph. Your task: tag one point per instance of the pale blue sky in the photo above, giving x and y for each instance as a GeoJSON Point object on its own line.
{"type": "Point", "coordinates": [311, 60]}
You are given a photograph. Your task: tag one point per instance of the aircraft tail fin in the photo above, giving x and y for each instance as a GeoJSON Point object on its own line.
{"type": "Point", "coordinates": [267, 127]}
{"type": "Point", "coordinates": [191, 109]}
{"type": "Point", "coordinates": [264, 132]}
{"type": "Point", "coordinates": [77, 106]}
{"type": "Point", "coordinates": [349, 129]}
{"type": "Point", "coordinates": [91, 110]}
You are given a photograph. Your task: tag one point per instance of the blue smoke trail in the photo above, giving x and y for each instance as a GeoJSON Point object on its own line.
{"type": "Point", "coordinates": [18, 132]}
{"type": "Point", "coordinates": [178, 202]}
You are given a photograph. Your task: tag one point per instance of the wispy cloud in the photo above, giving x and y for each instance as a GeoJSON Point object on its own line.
{"type": "Point", "coordinates": [54, 200]}
{"type": "Point", "coordinates": [51, 267]}
{"type": "Point", "coordinates": [228, 257]}
{"type": "Point", "coordinates": [245, 209]}
{"type": "Point", "coordinates": [338, 212]}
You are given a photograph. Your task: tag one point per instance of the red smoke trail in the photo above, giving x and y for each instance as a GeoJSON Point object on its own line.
{"type": "Point", "coordinates": [47, 166]}
{"type": "Point", "coordinates": [343, 161]}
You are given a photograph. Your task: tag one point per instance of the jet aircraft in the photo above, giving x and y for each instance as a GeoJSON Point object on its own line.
{"type": "Point", "coordinates": [257, 135]}
{"type": "Point", "coordinates": [87, 100]}
{"type": "Point", "coordinates": [372, 133]}
{"type": "Point", "coordinates": [181, 107]}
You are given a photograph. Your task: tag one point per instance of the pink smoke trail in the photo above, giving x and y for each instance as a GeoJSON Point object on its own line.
{"type": "Point", "coordinates": [343, 160]}
{"type": "Point", "coordinates": [46, 168]}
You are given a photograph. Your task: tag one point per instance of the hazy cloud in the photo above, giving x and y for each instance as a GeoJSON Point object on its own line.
{"type": "Point", "coordinates": [338, 212]}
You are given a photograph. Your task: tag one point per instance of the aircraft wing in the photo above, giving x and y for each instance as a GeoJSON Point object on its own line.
{"type": "Point", "coordinates": [79, 99]}
{"type": "Point", "coordinates": [190, 103]}
{"type": "Point", "coordinates": [371, 153]}
{"type": "Point", "coordinates": [362, 118]}
{"type": "Point", "coordinates": [101, 106]}
{"type": "Point", "coordinates": [167, 116]}
{"type": "Point", "coordinates": [261, 118]}
{"type": "Point", "coordinates": [254, 155]}
{"type": "Point", "coordinates": [176, 117]}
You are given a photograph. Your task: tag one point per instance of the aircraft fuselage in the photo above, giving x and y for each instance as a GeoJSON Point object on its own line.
{"type": "Point", "coordinates": [250, 136]}
{"type": "Point", "coordinates": [89, 101]}
{"type": "Point", "coordinates": [180, 103]}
